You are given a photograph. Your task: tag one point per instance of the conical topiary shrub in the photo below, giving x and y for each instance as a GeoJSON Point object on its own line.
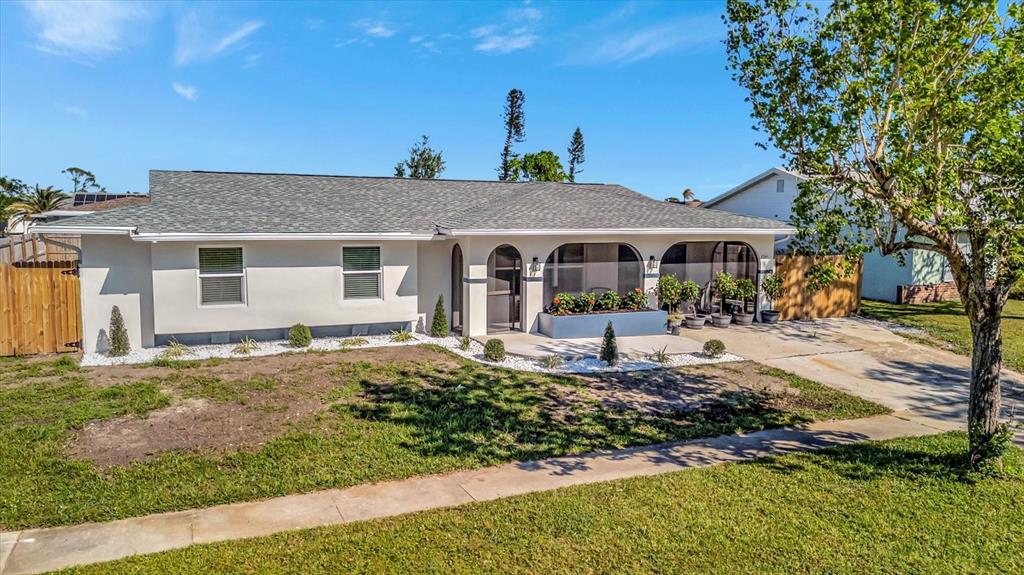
{"type": "Point", "coordinates": [119, 344]}
{"type": "Point", "coordinates": [439, 326]}
{"type": "Point", "coordinates": [609, 348]}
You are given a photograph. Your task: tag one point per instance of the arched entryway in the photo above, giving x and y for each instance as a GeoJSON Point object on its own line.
{"type": "Point", "coordinates": [593, 267]}
{"type": "Point", "coordinates": [700, 261]}
{"type": "Point", "coordinates": [456, 289]}
{"type": "Point", "coordinates": [504, 290]}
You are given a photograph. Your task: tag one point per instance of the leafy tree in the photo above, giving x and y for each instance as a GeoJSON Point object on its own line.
{"type": "Point", "coordinates": [82, 180]}
{"type": "Point", "coordinates": [542, 166]}
{"type": "Point", "coordinates": [439, 325]}
{"type": "Point", "coordinates": [39, 201]}
{"type": "Point", "coordinates": [424, 162]}
{"type": "Point", "coordinates": [119, 343]}
{"type": "Point", "coordinates": [515, 131]}
{"type": "Point", "coordinates": [576, 157]}
{"type": "Point", "coordinates": [11, 190]}
{"type": "Point", "coordinates": [908, 119]}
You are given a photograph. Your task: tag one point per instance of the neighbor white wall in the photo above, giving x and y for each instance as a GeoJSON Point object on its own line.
{"type": "Point", "coordinates": [116, 271]}
{"type": "Point", "coordinates": [763, 200]}
{"type": "Point", "coordinates": [286, 282]}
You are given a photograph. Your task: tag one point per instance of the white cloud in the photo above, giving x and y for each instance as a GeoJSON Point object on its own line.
{"type": "Point", "coordinates": [376, 28]}
{"type": "Point", "coordinates": [75, 111]}
{"type": "Point", "coordinates": [78, 28]}
{"type": "Point", "coordinates": [190, 93]}
{"type": "Point", "coordinates": [252, 60]}
{"type": "Point", "coordinates": [503, 44]}
{"type": "Point", "coordinates": [517, 32]}
{"type": "Point", "coordinates": [195, 43]}
{"type": "Point", "coordinates": [627, 45]}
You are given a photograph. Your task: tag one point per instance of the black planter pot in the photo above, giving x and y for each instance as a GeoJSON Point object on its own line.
{"type": "Point", "coordinates": [769, 316]}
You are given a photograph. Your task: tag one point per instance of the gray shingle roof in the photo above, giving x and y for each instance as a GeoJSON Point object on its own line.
{"type": "Point", "coordinates": [226, 202]}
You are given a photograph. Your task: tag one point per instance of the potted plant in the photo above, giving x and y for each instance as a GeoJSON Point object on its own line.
{"type": "Point", "coordinates": [669, 293]}
{"type": "Point", "coordinates": [690, 293]}
{"type": "Point", "coordinates": [723, 286]}
{"type": "Point", "coordinates": [745, 291]}
{"type": "Point", "coordinates": [771, 285]}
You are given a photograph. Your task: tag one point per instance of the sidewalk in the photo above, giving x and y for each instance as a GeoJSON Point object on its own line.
{"type": "Point", "coordinates": [39, 550]}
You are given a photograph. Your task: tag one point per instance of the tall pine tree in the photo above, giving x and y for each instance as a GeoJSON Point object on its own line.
{"type": "Point", "coordinates": [515, 131]}
{"type": "Point", "coordinates": [576, 157]}
{"type": "Point", "coordinates": [424, 162]}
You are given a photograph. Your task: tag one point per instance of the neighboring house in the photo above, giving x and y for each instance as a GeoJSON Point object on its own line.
{"type": "Point", "coordinates": [215, 257]}
{"type": "Point", "coordinates": [770, 194]}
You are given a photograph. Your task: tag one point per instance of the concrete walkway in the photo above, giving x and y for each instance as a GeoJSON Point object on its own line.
{"type": "Point", "coordinates": [39, 550]}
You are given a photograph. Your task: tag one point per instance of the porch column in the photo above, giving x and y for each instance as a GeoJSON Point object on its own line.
{"type": "Point", "coordinates": [533, 293]}
{"type": "Point", "coordinates": [475, 283]}
{"type": "Point", "coordinates": [651, 274]}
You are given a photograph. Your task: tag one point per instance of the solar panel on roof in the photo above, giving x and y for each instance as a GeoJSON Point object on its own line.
{"type": "Point", "coordinates": [83, 199]}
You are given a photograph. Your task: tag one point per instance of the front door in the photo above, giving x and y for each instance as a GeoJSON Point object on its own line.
{"type": "Point", "coordinates": [504, 290]}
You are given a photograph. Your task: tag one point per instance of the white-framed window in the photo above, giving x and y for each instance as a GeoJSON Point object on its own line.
{"type": "Point", "coordinates": [780, 186]}
{"type": "Point", "coordinates": [361, 272]}
{"type": "Point", "coordinates": [221, 276]}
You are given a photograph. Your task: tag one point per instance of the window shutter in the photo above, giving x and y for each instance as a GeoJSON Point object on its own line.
{"type": "Point", "coordinates": [220, 260]}
{"type": "Point", "coordinates": [362, 286]}
{"type": "Point", "coordinates": [222, 290]}
{"type": "Point", "coordinates": [361, 259]}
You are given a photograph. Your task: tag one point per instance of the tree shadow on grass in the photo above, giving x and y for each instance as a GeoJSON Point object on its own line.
{"type": "Point", "coordinates": [493, 416]}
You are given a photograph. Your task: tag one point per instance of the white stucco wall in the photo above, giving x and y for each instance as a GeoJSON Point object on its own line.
{"type": "Point", "coordinates": [285, 282]}
{"type": "Point", "coordinates": [433, 278]}
{"type": "Point", "coordinates": [116, 271]}
{"type": "Point", "coordinates": [763, 199]}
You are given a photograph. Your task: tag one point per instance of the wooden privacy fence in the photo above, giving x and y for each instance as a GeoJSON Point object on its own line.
{"type": "Point", "coordinates": [40, 310]}
{"type": "Point", "coordinates": [840, 299]}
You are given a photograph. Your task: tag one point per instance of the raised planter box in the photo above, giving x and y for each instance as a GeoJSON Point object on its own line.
{"type": "Point", "coordinates": [650, 322]}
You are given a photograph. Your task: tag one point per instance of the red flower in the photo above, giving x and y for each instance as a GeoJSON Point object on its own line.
{"type": "Point", "coordinates": [638, 290]}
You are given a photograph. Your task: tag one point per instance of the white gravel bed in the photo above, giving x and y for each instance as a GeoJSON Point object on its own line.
{"type": "Point", "coordinates": [453, 344]}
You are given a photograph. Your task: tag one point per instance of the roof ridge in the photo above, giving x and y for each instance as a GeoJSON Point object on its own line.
{"type": "Point", "coordinates": [301, 175]}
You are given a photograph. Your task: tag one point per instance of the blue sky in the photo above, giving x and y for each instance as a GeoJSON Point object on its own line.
{"type": "Point", "coordinates": [346, 88]}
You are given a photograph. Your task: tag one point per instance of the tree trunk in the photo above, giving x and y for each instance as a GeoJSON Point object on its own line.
{"type": "Point", "coordinates": [986, 362]}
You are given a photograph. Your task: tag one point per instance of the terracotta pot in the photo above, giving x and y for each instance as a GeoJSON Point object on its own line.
{"type": "Point", "coordinates": [721, 319]}
{"type": "Point", "coordinates": [769, 316]}
{"type": "Point", "coordinates": [743, 318]}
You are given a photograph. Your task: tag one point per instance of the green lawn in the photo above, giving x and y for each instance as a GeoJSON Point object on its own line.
{"type": "Point", "coordinates": [892, 507]}
{"type": "Point", "coordinates": [377, 416]}
{"type": "Point", "coordinates": [947, 326]}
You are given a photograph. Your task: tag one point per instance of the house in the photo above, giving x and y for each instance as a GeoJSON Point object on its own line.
{"type": "Point", "coordinates": [924, 277]}
{"type": "Point", "coordinates": [218, 256]}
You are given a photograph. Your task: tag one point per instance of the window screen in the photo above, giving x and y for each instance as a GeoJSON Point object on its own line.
{"type": "Point", "coordinates": [221, 276]}
{"type": "Point", "coordinates": [361, 272]}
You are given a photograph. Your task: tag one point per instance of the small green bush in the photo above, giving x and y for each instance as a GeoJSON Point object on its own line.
{"type": "Point", "coordinates": [609, 301]}
{"type": "Point", "coordinates": [439, 325]}
{"type": "Point", "coordinates": [724, 285]}
{"type": "Point", "coordinates": [353, 341]}
{"type": "Point", "coordinates": [745, 290]}
{"type": "Point", "coordinates": [670, 291]}
{"type": "Point", "coordinates": [401, 336]}
{"type": "Point", "coordinates": [689, 291]}
{"type": "Point", "coordinates": [553, 361]}
{"type": "Point", "coordinates": [464, 342]}
{"type": "Point", "coordinates": [659, 355]}
{"type": "Point", "coordinates": [714, 348]}
{"type": "Point", "coordinates": [635, 300]}
{"type": "Point", "coordinates": [175, 350]}
{"type": "Point", "coordinates": [494, 350]}
{"type": "Point", "coordinates": [562, 304]}
{"type": "Point", "coordinates": [299, 335]}
{"type": "Point", "coordinates": [246, 346]}
{"type": "Point", "coordinates": [771, 285]}
{"type": "Point", "coordinates": [585, 302]}
{"type": "Point", "coordinates": [609, 347]}
{"type": "Point", "coordinates": [119, 343]}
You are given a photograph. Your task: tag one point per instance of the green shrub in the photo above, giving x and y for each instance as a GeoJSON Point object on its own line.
{"type": "Point", "coordinates": [119, 344]}
{"type": "Point", "coordinates": [64, 364]}
{"type": "Point", "coordinates": [724, 285]}
{"type": "Point", "coordinates": [439, 326]}
{"type": "Point", "coordinates": [553, 361]}
{"type": "Point", "coordinates": [635, 300]}
{"type": "Point", "coordinates": [670, 291]}
{"type": "Point", "coordinates": [714, 348]}
{"type": "Point", "coordinates": [246, 346]}
{"type": "Point", "coordinates": [771, 285]}
{"type": "Point", "coordinates": [745, 290]}
{"type": "Point", "coordinates": [299, 335]}
{"type": "Point", "coordinates": [175, 350]}
{"type": "Point", "coordinates": [464, 342]}
{"type": "Point", "coordinates": [494, 350]}
{"type": "Point", "coordinates": [562, 304]}
{"type": "Point", "coordinates": [585, 302]}
{"type": "Point", "coordinates": [1017, 291]}
{"type": "Point", "coordinates": [401, 336]}
{"type": "Point", "coordinates": [659, 355]}
{"type": "Point", "coordinates": [689, 291]}
{"type": "Point", "coordinates": [609, 301]}
{"type": "Point", "coordinates": [609, 347]}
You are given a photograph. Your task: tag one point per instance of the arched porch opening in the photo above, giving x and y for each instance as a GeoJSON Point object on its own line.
{"type": "Point", "coordinates": [456, 303]}
{"type": "Point", "coordinates": [700, 261]}
{"type": "Point", "coordinates": [504, 290]}
{"type": "Point", "coordinates": [592, 267]}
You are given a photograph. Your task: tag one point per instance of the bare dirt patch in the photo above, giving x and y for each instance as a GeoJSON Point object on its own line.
{"type": "Point", "coordinates": [664, 391]}
{"type": "Point", "coordinates": [233, 405]}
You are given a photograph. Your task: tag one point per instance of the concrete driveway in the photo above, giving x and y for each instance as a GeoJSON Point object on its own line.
{"type": "Point", "coordinates": [865, 359]}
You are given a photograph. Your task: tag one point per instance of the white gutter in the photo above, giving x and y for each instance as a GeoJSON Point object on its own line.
{"type": "Point", "coordinates": [80, 230]}
{"type": "Point", "coordinates": [625, 231]}
{"type": "Point", "coordinates": [189, 237]}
